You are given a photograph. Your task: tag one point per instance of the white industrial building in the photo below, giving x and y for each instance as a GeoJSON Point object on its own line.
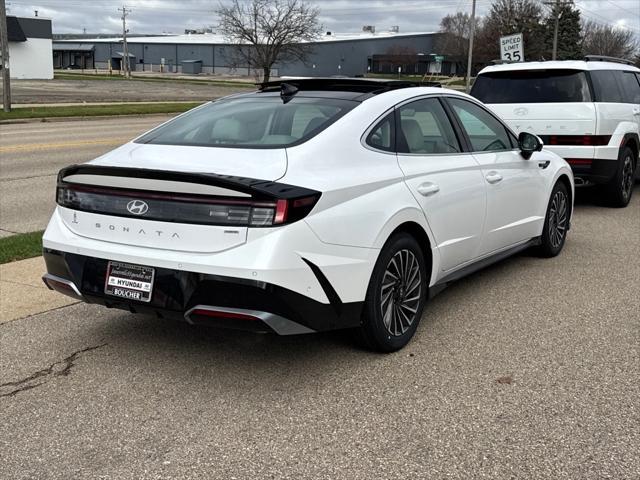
{"type": "Point", "coordinates": [30, 47]}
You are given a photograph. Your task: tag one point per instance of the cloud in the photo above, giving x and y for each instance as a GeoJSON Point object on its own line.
{"type": "Point", "coordinates": [173, 16]}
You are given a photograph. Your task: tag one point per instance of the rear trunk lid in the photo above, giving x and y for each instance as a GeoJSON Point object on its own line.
{"type": "Point", "coordinates": [267, 164]}
{"type": "Point", "coordinates": [192, 199]}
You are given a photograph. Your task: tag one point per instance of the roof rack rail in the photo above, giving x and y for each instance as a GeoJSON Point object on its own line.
{"type": "Point", "coordinates": [603, 58]}
{"type": "Point", "coordinates": [363, 85]}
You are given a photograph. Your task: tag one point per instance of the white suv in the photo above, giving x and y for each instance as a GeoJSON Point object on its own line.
{"type": "Point", "coordinates": [307, 206]}
{"type": "Point", "coordinates": [588, 112]}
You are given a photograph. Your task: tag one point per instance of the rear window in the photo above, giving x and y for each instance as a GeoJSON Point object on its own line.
{"type": "Point", "coordinates": [532, 86]}
{"type": "Point", "coordinates": [251, 122]}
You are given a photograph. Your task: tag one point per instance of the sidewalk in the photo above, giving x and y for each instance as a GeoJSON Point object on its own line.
{"type": "Point", "coordinates": [22, 292]}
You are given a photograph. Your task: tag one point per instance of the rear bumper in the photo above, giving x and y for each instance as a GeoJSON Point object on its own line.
{"type": "Point", "coordinates": [593, 170]}
{"type": "Point", "coordinates": [589, 164]}
{"type": "Point", "coordinates": [203, 298]}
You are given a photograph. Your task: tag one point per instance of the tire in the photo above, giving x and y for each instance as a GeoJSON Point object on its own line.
{"type": "Point", "coordinates": [556, 222]}
{"type": "Point", "coordinates": [619, 190]}
{"type": "Point", "coordinates": [402, 299]}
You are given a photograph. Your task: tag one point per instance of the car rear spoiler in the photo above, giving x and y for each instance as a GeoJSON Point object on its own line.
{"type": "Point", "coordinates": [256, 188]}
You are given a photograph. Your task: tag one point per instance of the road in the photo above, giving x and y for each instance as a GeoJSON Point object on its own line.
{"type": "Point", "coordinates": [32, 153]}
{"type": "Point", "coordinates": [528, 369]}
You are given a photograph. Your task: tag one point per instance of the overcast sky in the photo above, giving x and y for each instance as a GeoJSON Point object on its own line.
{"type": "Point", "coordinates": [173, 16]}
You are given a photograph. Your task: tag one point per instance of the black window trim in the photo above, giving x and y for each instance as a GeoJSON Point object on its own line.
{"type": "Point", "coordinates": [373, 126]}
{"type": "Point", "coordinates": [510, 133]}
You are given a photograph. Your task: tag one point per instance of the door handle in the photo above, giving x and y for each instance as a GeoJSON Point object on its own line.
{"type": "Point", "coordinates": [544, 164]}
{"type": "Point", "coordinates": [428, 189]}
{"type": "Point", "coordinates": [636, 111]}
{"type": "Point", "coordinates": [493, 177]}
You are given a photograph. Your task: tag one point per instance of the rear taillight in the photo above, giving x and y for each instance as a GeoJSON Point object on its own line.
{"type": "Point", "coordinates": [578, 140]}
{"type": "Point", "coordinates": [194, 209]}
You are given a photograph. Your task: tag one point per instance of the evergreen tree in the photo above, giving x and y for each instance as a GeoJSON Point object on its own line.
{"type": "Point", "coordinates": [569, 31]}
{"type": "Point", "coordinates": [507, 17]}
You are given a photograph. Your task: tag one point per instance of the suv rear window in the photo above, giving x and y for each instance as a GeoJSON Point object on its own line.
{"type": "Point", "coordinates": [532, 86]}
{"type": "Point", "coordinates": [251, 122]}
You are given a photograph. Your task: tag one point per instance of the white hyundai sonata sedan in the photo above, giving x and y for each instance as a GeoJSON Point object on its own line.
{"type": "Point", "coordinates": [309, 205]}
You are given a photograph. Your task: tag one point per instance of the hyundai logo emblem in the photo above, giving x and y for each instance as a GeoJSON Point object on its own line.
{"type": "Point", "coordinates": [137, 207]}
{"type": "Point", "coordinates": [520, 111]}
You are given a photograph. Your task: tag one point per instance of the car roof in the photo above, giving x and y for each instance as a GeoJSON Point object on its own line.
{"type": "Point", "coordinates": [355, 89]}
{"type": "Point", "coordinates": [559, 65]}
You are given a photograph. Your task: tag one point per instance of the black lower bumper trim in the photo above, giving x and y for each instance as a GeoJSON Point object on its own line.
{"type": "Point", "coordinates": [175, 292]}
{"type": "Point", "coordinates": [598, 171]}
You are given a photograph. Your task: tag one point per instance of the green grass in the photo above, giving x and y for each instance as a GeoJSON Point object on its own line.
{"type": "Point", "coordinates": [18, 247]}
{"type": "Point", "coordinates": [94, 110]}
{"type": "Point", "coordinates": [219, 83]}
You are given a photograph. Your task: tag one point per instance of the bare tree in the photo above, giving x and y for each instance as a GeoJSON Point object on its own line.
{"type": "Point", "coordinates": [606, 40]}
{"type": "Point", "coordinates": [454, 39]}
{"type": "Point", "coordinates": [266, 32]}
{"type": "Point", "coordinates": [399, 56]}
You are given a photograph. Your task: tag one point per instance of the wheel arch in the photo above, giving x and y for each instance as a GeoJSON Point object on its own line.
{"type": "Point", "coordinates": [564, 178]}
{"type": "Point", "coordinates": [632, 140]}
{"type": "Point", "coordinates": [418, 232]}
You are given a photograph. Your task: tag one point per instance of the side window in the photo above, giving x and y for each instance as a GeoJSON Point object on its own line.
{"type": "Point", "coordinates": [485, 132]}
{"type": "Point", "coordinates": [605, 86]}
{"type": "Point", "coordinates": [382, 137]}
{"type": "Point", "coordinates": [425, 128]}
{"type": "Point", "coordinates": [630, 87]}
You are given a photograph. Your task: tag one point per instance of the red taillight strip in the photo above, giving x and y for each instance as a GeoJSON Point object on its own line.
{"type": "Point", "coordinates": [579, 161]}
{"type": "Point", "coordinates": [166, 196]}
{"type": "Point", "coordinates": [282, 207]}
{"type": "Point", "coordinates": [579, 140]}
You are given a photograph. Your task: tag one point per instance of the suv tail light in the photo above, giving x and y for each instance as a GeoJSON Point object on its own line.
{"type": "Point", "coordinates": [584, 140]}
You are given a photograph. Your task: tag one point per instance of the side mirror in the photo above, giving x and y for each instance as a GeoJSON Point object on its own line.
{"type": "Point", "coordinates": [529, 143]}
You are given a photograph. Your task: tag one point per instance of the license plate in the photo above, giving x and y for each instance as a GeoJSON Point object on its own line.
{"type": "Point", "coordinates": [133, 282]}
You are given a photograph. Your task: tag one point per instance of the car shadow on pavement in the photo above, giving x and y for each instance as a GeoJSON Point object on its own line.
{"type": "Point", "coordinates": [593, 196]}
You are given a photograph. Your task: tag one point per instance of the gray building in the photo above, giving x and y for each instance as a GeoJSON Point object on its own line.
{"type": "Point", "coordinates": [333, 54]}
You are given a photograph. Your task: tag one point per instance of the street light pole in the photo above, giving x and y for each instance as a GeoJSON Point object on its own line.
{"type": "Point", "coordinates": [471, 34]}
{"type": "Point", "coordinates": [4, 48]}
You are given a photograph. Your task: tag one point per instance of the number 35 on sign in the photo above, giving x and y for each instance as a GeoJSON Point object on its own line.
{"type": "Point", "coordinates": [512, 48]}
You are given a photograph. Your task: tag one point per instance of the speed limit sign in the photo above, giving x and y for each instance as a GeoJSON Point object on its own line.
{"type": "Point", "coordinates": [512, 48]}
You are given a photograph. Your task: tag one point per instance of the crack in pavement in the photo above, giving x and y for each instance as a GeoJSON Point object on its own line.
{"type": "Point", "coordinates": [60, 368]}
{"type": "Point", "coordinates": [13, 179]}
{"type": "Point", "coordinates": [7, 322]}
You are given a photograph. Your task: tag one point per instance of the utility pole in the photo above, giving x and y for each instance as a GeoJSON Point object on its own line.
{"type": "Point", "coordinates": [555, 5]}
{"type": "Point", "coordinates": [4, 49]}
{"type": "Point", "coordinates": [472, 32]}
{"type": "Point", "coordinates": [125, 48]}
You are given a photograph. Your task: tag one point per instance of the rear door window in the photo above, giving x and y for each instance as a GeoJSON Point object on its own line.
{"type": "Point", "coordinates": [382, 137]}
{"type": "Point", "coordinates": [532, 86]}
{"type": "Point", "coordinates": [606, 87]}
{"type": "Point", "coordinates": [424, 128]}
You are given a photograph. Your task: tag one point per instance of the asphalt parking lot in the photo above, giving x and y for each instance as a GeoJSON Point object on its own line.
{"type": "Point", "coordinates": [527, 369]}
